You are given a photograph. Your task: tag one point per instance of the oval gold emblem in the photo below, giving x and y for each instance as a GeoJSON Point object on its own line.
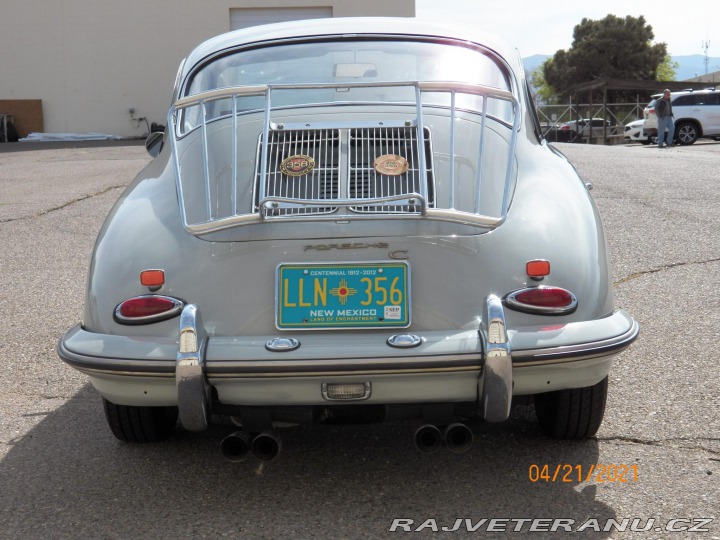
{"type": "Point", "coordinates": [390, 164]}
{"type": "Point", "coordinates": [297, 165]}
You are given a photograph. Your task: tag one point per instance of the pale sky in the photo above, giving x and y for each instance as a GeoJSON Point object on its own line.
{"type": "Point", "coordinates": [544, 27]}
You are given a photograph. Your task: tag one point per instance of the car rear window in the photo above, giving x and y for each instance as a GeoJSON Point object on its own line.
{"type": "Point", "coordinates": [350, 61]}
{"type": "Point", "coordinates": [373, 63]}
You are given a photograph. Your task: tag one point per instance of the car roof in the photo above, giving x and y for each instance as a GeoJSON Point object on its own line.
{"type": "Point", "coordinates": [346, 26]}
{"type": "Point", "coordinates": [584, 119]}
{"type": "Point", "coordinates": [688, 92]}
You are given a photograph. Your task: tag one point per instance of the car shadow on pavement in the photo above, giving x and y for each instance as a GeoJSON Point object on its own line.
{"type": "Point", "coordinates": [68, 477]}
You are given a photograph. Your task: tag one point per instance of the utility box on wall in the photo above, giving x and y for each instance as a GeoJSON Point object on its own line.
{"type": "Point", "coordinates": [27, 114]}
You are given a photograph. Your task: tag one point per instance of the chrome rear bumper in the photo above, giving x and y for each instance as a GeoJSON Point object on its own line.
{"type": "Point", "coordinates": [486, 366]}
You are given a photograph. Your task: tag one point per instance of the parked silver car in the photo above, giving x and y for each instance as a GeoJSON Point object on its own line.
{"type": "Point", "coordinates": [585, 128]}
{"type": "Point", "coordinates": [350, 218]}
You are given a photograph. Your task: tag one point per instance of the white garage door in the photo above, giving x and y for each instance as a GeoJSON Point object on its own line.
{"type": "Point", "coordinates": [244, 17]}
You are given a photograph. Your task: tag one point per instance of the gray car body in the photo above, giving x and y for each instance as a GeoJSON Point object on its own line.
{"type": "Point", "coordinates": [458, 271]}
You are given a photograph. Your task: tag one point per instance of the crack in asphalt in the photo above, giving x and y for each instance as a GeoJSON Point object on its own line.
{"type": "Point", "coordinates": [64, 205]}
{"type": "Point", "coordinates": [667, 442]}
{"type": "Point", "coordinates": [662, 269]}
{"type": "Point", "coordinates": [49, 397]}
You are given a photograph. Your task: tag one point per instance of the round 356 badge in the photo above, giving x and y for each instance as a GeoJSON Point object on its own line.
{"type": "Point", "coordinates": [297, 165]}
{"type": "Point", "coordinates": [390, 164]}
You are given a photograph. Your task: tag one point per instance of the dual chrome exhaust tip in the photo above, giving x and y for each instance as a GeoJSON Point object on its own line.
{"type": "Point", "coordinates": [457, 438]}
{"type": "Point", "coordinates": [236, 446]}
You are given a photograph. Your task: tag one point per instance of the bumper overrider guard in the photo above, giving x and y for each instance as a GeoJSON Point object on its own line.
{"type": "Point", "coordinates": [495, 387]}
{"type": "Point", "coordinates": [192, 387]}
{"type": "Point", "coordinates": [488, 365]}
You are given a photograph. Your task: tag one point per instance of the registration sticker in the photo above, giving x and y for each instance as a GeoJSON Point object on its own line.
{"type": "Point", "coordinates": [332, 296]}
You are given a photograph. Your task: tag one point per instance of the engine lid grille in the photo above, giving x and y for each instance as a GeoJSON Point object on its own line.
{"type": "Point", "coordinates": [306, 167]}
{"type": "Point", "coordinates": [322, 179]}
{"type": "Point", "coordinates": [368, 174]}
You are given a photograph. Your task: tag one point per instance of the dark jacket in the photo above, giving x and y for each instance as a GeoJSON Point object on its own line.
{"type": "Point", "coordinates": [663, 107]}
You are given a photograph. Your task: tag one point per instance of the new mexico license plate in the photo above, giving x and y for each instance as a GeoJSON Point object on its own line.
{"type": "Point", "coordinates": [330, 296]}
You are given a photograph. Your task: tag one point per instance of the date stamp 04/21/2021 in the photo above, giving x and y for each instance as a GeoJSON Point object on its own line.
{"type": "Point", "coordinates": [600, 473]}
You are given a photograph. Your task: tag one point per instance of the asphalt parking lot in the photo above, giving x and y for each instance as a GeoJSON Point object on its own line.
{"type": "Point", "coordinates": [63, 475]}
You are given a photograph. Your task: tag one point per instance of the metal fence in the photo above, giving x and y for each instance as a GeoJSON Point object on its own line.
{"type": "Point", "coordinates": [617, 114]}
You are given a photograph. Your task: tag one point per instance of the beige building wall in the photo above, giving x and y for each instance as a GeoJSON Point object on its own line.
{"type": "Point", "coordinates": [711, 78]}
{"type": "Point", "coordinates": [91, 61]}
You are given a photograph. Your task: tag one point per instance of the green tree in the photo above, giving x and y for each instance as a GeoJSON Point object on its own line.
{"type": "Point", "coordinates": [667, 69]}
{"type": "Point", "coordinates": [544, 93]}
{"type": "Point", "coordinates": [611, 48]}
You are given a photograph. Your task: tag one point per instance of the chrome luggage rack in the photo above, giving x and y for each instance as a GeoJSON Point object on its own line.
{"type": "Point", "coordinates": [415, 200]}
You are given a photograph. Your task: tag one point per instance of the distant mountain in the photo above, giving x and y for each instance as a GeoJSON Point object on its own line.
{"type": "Point", "coordinates": [694, 65]}
{"type": "Point", "coordinates": [689, 66]}
{"type": "Point", "coordinates": [531, 63]}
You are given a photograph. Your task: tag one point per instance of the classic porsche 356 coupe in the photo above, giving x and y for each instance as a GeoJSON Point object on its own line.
{"type": "Point", "coordinates": [350, 219]}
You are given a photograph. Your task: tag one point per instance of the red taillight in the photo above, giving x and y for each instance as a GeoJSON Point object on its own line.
{"type": "Point", "coordinates": [564, 128]}
{"type": "Point", "coordinates": [147, 309]}
{"type": "Point", "coordinates": [543, 300]}
{"type": "Point", "coordinates": [547, 298]}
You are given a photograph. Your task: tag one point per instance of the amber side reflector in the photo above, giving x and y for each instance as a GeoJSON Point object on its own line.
{"type": "Point", "coordinates": [538, 268]}
{"type": "Point", "coordinates": [152, 278]}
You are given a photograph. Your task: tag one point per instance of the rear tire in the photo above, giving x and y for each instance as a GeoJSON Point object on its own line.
{"type": "Point", "coordinates": [140, 424]}
{"type": "Point", "coordinates": [572, 414]}
{"type": "Point", "coordinates": [686, 133]}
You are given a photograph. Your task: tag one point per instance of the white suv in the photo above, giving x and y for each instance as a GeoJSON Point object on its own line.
{"type": "Point", "coordinates": [696, 114]}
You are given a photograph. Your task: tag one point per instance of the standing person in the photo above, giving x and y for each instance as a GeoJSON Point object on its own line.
{"type": "Point", "coordinates": [663, 109]}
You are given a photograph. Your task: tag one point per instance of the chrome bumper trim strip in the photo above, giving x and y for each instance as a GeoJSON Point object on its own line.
{"type": "Point", "coordinates": [572, 353]}
{"type": "Point", "coordinates": [82, 350]}
{"type": "Point", "coordinates": [157, 357]}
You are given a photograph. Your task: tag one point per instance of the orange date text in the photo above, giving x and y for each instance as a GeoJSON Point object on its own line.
{"type": "Point", "coordinates": [599, 473]}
